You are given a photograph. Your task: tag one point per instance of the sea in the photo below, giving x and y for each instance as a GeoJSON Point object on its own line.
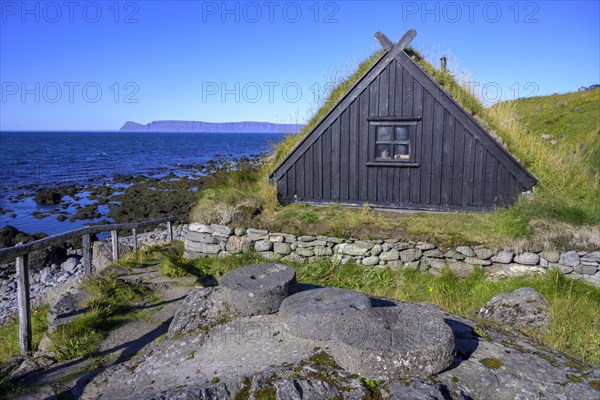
{"type": "Point", "coordinates": [46, 159]}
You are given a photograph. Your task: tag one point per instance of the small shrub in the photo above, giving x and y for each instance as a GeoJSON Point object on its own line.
{"type": "Point", "coordinates": [175, 266]}
{"type": "Point", "coordinates": [372, 388]}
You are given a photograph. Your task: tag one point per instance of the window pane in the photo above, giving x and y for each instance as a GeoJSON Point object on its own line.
{"type": "Point", "coordinates": [384, 134]}
{"type": "Point", "coordinates": [401, 152]}
{"type": "Point", "coordinates": [401, 133]}
{"type": "Point", "coordinates": [384, 152]}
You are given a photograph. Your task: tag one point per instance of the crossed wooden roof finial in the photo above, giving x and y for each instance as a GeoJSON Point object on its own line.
{"type": "Point", "coordinates": [398, 47]}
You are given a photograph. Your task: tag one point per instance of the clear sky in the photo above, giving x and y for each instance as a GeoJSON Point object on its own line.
{"type": "Point", "coordinates": [92, 65]}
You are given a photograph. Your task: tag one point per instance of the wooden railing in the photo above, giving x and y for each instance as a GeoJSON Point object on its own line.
{"type": "Point", "coordinates": [21, 253]}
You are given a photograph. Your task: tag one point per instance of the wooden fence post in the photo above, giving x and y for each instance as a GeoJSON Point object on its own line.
{"type": "Point", "coordinates": [86, 245]}
{"type": "Point", "coordinates": [115, 245]}
{"type": "Point", "coordinates": [134, 238]}
{"type": "Point", "coordinates": [23, 303]}
{"type": "Point", "coordinates": [170, 231]}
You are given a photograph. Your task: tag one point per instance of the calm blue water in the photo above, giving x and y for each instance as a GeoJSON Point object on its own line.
{"type": "Point", "coordinates": [55, 158]}
{"type": "Point", "coordinates": [73, 157]}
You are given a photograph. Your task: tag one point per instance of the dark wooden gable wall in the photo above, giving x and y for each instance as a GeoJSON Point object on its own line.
{"type": "Point", "coordinates": [456, 163]}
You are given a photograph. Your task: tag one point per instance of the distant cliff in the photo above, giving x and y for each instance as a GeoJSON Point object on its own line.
{"type": "Point", "coordinates": [199, 126]}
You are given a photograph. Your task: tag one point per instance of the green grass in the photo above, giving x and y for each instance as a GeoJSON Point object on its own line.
{"type": "Point", "coordinates": [9, 346]}
{"type": "Point", "coordinates": [151, 255]}
{"type": "Point", "coordinates": [168, 257]}
{"type": "Point", "coordinates": [566, 117]}
{"type": "Point", "coordinates": [575, 315]}
{"type": "Point", "coordinates": [112, 304]}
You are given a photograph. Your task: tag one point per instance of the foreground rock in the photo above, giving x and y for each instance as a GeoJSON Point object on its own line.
{"type": "Point", "coordinates": [522, 309]}
{"type": "Point", "coordinates": [252, 290]}
{"type": "Point", "coordinates": [396, 341]}
{"type": "Point", "coordinates": [413, 350]}
{"type": "Point", "coordinates": [201, 310]}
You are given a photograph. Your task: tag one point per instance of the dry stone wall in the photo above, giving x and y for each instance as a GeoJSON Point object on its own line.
{"type": "Point", "coordinates": [219, 241]}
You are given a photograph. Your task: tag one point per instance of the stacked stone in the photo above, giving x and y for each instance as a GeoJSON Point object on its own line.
{"type": "Point", "coordinates": [156, 236]}
{"type": "Point", "coordinates": [218, 240]}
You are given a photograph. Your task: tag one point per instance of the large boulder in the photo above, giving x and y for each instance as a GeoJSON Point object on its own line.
{"type": "Point", "coordinates": [523, 308]}
{"type": "Point", "coordinates": [11, 236]}
{"type": "Point", "coordinates": [382, 347]}
{"type": "Point", "coordinates": [68, 307]}
{"type": "Point", "coordinates": [40, 259]}
{"type": "Point", "coordinates": [395, 341]}
{"type": "Point", "coordinates": [47, 196]}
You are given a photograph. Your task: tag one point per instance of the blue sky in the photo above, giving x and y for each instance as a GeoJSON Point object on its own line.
{"type": "Point", "coordinates": [92, 65]}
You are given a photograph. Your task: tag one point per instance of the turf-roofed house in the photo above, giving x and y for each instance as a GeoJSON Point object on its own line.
{"type": "Point", "coordinates": [397, 139]}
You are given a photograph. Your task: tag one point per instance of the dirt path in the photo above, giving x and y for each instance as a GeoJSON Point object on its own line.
{"type": "Point", "coordinates": [67, 379]}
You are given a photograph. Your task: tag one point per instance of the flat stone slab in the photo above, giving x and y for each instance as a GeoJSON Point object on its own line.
{"type": "Point", "coordinates": [395, 342]}
{"type": "Point", "coordinates": [317, 314]}
{"type": "Point", "coordinates": [257, 289]}
{"type": "Point", "coordinates": [239, 348]}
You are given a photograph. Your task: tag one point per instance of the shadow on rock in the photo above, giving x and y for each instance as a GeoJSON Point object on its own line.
{"type": "Point", "coordinates": [466, 340]}
{"type": "Point", "coordinates": [160, 304]}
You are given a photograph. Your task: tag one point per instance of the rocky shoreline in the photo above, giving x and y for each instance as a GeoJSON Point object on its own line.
{"type": "Point", "coordinates": [124, 199]}
{"type": "Point", "coordinates": [120, 199]}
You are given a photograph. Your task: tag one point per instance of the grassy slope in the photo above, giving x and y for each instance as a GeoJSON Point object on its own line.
{"type": "Point", "coordinates": [573, 119]}
{"type": "Point", "coordinates": [568, 170]}
{"type": "Point", "coordinates": [567, 197]}
{"type": "Point", "coordinates": [567, 117]}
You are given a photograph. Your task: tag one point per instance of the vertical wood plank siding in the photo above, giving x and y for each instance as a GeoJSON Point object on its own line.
{"type": "Point", "coordinates": [363, 142]}
{"type": "Point", "coordinates": [453, 167]}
